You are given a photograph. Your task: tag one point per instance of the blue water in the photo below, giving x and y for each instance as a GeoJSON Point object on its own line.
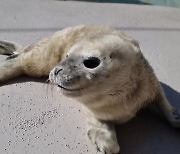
{"type": "Point", "coordinates": [169, 3]}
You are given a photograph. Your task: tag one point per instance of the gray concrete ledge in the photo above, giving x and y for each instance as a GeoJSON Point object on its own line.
{"type": "Point", "coordinates": [36, 119]}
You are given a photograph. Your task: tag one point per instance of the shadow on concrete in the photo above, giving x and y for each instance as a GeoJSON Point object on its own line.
{"type": "Point", "coordinates": [149, 132]}
{"type": "Point", "coordinates": [172, 95]}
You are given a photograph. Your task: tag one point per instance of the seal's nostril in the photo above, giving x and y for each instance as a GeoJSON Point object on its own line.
{"type": "Point", "coordinates": [57, 70]}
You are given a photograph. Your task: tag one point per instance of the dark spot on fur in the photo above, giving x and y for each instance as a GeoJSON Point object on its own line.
{"type": "Point", "coordinates": [115, 54]}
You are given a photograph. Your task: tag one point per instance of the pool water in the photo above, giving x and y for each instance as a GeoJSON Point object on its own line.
{"type": "Point", "coordinates": [169, 3]}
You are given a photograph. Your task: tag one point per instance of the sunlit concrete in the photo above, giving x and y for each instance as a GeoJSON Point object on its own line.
{"type": "Point", "coordinates": [37, 119]}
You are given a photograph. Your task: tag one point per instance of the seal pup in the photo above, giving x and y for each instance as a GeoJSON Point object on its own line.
{"type": "Point", "coordinates": [102, 68]}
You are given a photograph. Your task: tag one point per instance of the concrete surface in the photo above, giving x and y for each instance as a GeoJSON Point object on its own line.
{"type": "Point", "coordinates": [37, 119]}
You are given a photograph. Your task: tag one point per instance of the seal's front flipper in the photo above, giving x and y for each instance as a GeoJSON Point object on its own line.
{"type": "Point", "coordinates": [10, 68]}
{"type": "Point", "coordinates": [9, 48]}
{"type": "Point", "coordinates": [174, 118]}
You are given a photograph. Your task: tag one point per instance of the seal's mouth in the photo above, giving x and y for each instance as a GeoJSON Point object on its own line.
{"type": "Point", "coordinates": [71, 92]}
{"type": "Point", "coordinates": [68, 89]}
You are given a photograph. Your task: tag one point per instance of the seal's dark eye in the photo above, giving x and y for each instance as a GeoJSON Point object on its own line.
{"type": "Point", "coordinates": [91, 62]}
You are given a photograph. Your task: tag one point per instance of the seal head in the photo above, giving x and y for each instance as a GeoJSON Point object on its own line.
{"type": "Point", "coordinates": [93, 65]}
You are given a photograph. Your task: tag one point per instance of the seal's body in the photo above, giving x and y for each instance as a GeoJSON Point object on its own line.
{"type": "Point", "coordinates": [100, 67]}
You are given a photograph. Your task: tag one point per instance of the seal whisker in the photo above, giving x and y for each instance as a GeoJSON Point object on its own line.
{"type": "Point", "coordinates": [48, 85]}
